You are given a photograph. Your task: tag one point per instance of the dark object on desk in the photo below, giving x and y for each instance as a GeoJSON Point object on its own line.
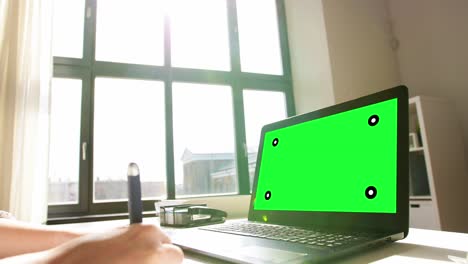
{"type": "Point", "coordinates": [189, 215]}
{"type": "Point", "coordinates": [135, 210]}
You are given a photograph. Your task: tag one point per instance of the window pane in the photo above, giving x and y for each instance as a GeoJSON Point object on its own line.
{"type": "Point", "coordinates": [204, 156]}
{"type": "Point", "coordinates": [199, 34]}
{"type": "Point", "coordinates": [261, 108]}
{"type": "Point", "coordinates": [129, 127]}
{"type": "Point", "coordinates": [68, 31]}
{"type": "Point", "coordinates": [64, 151]}
{"type": "Point", "coordinates": [258, 36]}
{"type": "Point", "coordinates": [130, 31]}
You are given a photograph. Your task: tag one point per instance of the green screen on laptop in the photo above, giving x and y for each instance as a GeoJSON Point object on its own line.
{"type": "Point", "coordinates": [346, 162]}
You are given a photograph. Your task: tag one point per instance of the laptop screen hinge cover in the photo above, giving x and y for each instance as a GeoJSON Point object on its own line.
{"type": "Point", "coordinates": [398, 236]}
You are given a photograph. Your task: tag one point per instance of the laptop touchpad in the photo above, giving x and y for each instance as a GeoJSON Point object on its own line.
{"type": "Point", "coordinates": [266, 254]}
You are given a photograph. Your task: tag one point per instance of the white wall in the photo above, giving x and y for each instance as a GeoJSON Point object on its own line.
{"type": "Point", "coordinates": [433, 52]}
{"type": "Point", "coordinates": [310, 61]}
{"type": "Point", "coordinates": [340, 50]}
{"type": "Point", "coordinates": [359, 41]}
{"type": "Point", "coordinates": [343, 49]}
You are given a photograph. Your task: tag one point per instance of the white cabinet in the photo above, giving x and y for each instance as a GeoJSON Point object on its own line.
{"type": "Point", "coordinates": [438, 171]}
{"type": "Point", "coordinates": [423, 215]}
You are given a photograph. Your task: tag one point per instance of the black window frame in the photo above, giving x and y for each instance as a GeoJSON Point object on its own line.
{"type": "Point", "coordinates": [87, 69]}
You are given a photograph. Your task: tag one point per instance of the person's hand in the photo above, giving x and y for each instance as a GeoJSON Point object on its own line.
{"type": "Point", "coordinates": [135, 244]}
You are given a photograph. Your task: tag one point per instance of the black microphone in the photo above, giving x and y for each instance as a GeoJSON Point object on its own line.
{"type": "Point", "coordinates": [135, 207]}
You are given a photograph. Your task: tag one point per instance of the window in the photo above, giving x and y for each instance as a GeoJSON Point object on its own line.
{"type": "Point", "coordinates": [199, 33]}
{"type": "Point", "coordinates": [64, 151]}
{"type": "Point", "coordinates": [259, 38]}
{"type": "Point", "coordinates": [130, 32]}
{"type": "Point", "coordinates": [204, 152]}
{"type": "Point", "coordinates": [128, 127]}
{"type": "Point", "coordinates": [273, 108]}
{"type": "Point", "coordinates": [182, 88]}
{"type": "Point", "coordinates": [68, 23]}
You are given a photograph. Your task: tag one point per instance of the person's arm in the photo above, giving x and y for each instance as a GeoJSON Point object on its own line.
{"type": "Point", "coordinates": [144, 244]}
{"type": "Point", "coordinates": [19, 238]}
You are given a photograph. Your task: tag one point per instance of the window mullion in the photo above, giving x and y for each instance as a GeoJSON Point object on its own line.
{"type": "Point", "coordinates": [170, 174]}
{"type": "Point", "coordinates": [286, 60]}
{"type": "Point", "coordinates": [89, 57]}
{"type": "Point", "coordinates": [233, 37]}
{"type": "Point", "coordinates": [170, 178]}
{"type": "Point", "coordinates": [85, 193]}
{"type": "Point", "coordinates": [241, 145]}
{"type": "Point", "coordinates": [89, 32]}
{"type": "Point", "coordinates": [239, 120]}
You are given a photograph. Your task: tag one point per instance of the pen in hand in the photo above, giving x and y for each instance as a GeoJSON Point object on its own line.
{"type": "Point", "coordinates": [135, 210]}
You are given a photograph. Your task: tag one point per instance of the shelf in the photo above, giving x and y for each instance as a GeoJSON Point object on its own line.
{"type": "Point", "coordinates": [416, 149]}
{"type": "Point", "coordinates": [420, 197]}
{"type": "Point", "coordinates": [432, 171]}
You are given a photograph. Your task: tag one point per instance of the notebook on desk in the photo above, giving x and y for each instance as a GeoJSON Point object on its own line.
{"type": "Point", "coordinates": [327, 183]}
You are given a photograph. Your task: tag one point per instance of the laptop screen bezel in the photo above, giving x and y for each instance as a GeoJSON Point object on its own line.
{"type": "Point", "coordinates": [342, 221]}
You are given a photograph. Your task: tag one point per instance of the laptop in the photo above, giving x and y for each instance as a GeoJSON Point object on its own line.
{"type": "Point", "coordinates": [327, 183]}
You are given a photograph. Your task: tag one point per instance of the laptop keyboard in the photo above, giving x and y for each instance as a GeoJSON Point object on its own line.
{"type": "Point", "coordinates": [288, 234]}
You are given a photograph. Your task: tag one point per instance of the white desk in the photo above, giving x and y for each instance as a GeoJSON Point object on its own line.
{"type": "Point", "coordinates": [421, 246]}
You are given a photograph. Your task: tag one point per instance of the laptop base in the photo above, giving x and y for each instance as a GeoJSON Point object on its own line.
{"type": "Point", "coordinates": [244, 249]}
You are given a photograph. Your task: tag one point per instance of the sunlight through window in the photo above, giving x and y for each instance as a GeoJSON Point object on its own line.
{"type": "Point", "coordinates": [199, 34]}
{"type": "Point", "coordinates": [130, 31]}
{"type": "Point", "coordinates": [273, 109]}
{"type": "Point", "coordinates": [68, 28]}
{"type": "Point", "coordinates": [64, 150]}
{"type": "Point", "coordinates": [259, 37]}
{"type": "Point", "coordinates": [204, 155]}
{"type": "Point", "coordinates": [128, 127]}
